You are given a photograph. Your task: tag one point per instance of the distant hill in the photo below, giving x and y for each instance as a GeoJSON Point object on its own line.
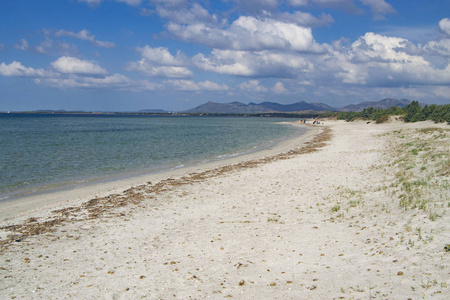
{"type": "Point", "coordinates": [273, 107]}
{"type": "Point", "coordinates": [152, 111]}
{"type": "Point", "coordinates": [240, 108]}
{"type": "Point", "coordinates": [382, 104]}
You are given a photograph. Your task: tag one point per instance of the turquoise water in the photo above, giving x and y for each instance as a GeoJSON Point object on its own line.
{"type": "Point", "coordinates": [45, 151]}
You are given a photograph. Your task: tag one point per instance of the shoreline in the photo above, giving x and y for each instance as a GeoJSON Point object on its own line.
{"type": "Point", "coordinates": [80, 160]}
{"type": "Point", "coordinates": [359, 212]}
{"type": "Point", "coordinates": [41, 203]}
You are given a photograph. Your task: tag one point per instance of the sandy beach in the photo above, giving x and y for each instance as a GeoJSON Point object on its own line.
{"type": "Point", "coordinates": [348, 211]}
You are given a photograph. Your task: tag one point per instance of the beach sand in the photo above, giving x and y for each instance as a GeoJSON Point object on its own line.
{"type": "Point", "coordinates": [351, 211]}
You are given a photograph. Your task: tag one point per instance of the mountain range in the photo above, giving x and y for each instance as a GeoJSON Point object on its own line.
{"type": "Point", "coordinates": [383, 104]}
{"type": "Point", "coordinates": [265, 107]}
{"type": "Point", "coordinates": [238, 107]}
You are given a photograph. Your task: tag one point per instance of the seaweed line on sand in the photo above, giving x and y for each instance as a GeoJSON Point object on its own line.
{"type": "Point", "coordinates": [100, 206]}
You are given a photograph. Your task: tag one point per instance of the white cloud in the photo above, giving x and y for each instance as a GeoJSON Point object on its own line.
{"type": "Point", "coordinates": [17, 69]}
{"type": "Point", "coordinates": [250, 34]}
{"type": "Point", "coordinates": [131, 2]}
{"type": "Point", "coordinates": [22, 44]}
{"type": "Point", "coordinates": [252, 86]}
{"type": "Point", "coordinates": [257, 64]}
{"type": "Point", "coordinates": [379, 60]}
{"type": "Point", "coordinates": [303, 19]}
{"type": "Point", "coordinates": [169, 3]}
{"type": "Point", "coordinates": [379, 8]}
{"type": "Point", "coordinates": [441, 91]}
{"type": "Point", "coordinates": [47, 46]}
{"type": "Point", "coordinates": [159, 62]}
{"type": "Point", "coordinates": [162, 56]}
{"type": "Point", "coordinates": [298, 2]}
{"type": "Point", "coordinates": [162, 71]}
{"type": "Point", "coordinates": [444, 26]}
{"type": "Point", "coordinates": [73, 65]}
{"type": "Point", "coordinates": [345, 5]}
{"type": "Point", "coordinates": [194, 14]}
{"type": "Point", "coordinates": [74, 75]}
{"type": "Point", "coordinates": [279, 88]}
{"type": "Point", "coordinates": [91, 2]}
{"type": "Point", "coordinates": [439, 48]}
{"type": "Point", "coordinates": [256, 6]}
{"type": "Point", "coordinates": [97, 2]}
{"type": "Point", "coordinates": [85, 36]}
{"type": "Point", "coordinates": [74, 81]}
{"type": "Point", "coordinates": [189, 85]}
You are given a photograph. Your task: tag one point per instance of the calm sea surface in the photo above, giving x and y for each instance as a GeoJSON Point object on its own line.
{"type": "Point", "coordinates": [40, 152]}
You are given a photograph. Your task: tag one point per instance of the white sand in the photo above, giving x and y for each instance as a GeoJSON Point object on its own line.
{"type": "Point", "coordinates": [320, 225]}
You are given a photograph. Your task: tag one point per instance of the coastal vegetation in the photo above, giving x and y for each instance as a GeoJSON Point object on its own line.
{"type": "Point", "coordinates": [412, 112]}
{"type": "Point", "coordinates": [421, 170]}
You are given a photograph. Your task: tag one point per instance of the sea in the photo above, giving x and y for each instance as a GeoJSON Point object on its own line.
{"type": "Point", "coordinates": [43, 152]}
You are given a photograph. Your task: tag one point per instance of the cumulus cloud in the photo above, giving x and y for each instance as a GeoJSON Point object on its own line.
{"type": "Point", "coordinates": [75, 73]}
{"type": "Point", "coordinates": [97, 2]}
{"type": "Point", "coordinates": [91, 2]}
{"type": "Point", "coordinates": [17, 69]}
{"type": "Point", "coordinates": [298, 2]}
{"type": "Point", "coordinates": [438, 48]}
{"type": "Point", "coordinates": [250, 34]}
{"type": "Point", "coordinates": [159, 62]}
{"type": "Point", "coordinates": [385, 61]}
{"type": "Point", "coordinates": [189, 85]}
{"type": "Point", "coordinates": [73, 65]}
{"type": "Point", "coordinates": [22, 44]}
{"type": "Point", "coordinates": [252, 86]}
{"type": "Point", "coordinates": [75, 81]}
{"type": "Point", "coordinates": [444, 26]}
{"type": "Point", "coordinates": [85, 36]}
{"type": "Point", "coordinates": [279, 88]}
{"type": "Point", "coordinates": [162, 56]}
{"type": "Point", "coordinates": [186, 15]}
{"type": "Point", "coordinates": [303, 19]}
{"type": "Point", "coordinates": [169, 3]}
{"type": "Point", "coordinates": [256, 64]}
{"type": "Point", "coordinates": [379, 8]}
{"type": "Point", "coordinates": [131, 2]}
{"type": "Point", "coordinates": [256, 6]}
{"type": "Point", "coordinates": [163, 71]}
{"type": "Point", "coordinates": [345, 5]}
{"type": "Point", "coordinates": [47, 46]}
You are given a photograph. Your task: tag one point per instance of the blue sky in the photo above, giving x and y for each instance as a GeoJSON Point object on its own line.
{"type": "Point", "coordinates": [126, 55]}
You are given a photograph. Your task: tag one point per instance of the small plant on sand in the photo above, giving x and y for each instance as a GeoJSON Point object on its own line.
{"type": "Point", "coordinates": [273, 220]}
{"type": "Point", "coordinates": [336, 208]}
{"type": "Point", "coordinates": [419, 230]}
{"type": "Point", "coordinates": [434, 216]}
{"type": "Point", "coordinates": [353, 203]}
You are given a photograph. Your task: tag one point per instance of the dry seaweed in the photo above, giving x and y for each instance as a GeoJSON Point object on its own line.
{"type": "Point", "coordinates": [104, 206]}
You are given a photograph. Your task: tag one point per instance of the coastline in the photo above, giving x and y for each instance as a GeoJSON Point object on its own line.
{"type": "Point", "coordinates": [344, 218]}
{"type": "Point", "coordinates": [42, 203]}
{"type": "Point", "coordinates": [81, 152]}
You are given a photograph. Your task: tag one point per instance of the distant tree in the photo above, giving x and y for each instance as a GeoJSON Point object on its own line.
{"type": "Point", "coordinates": [367, 113]}
{"type": "Point", "coordinates": [394, 111]}
{"type": "Point", "coordinates": [437, 113]}
{"type": "Point", "coordinates": [414, 112]}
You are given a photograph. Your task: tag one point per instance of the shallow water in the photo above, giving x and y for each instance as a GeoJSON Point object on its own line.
{"type": "Point", "coordinates": [47, 151]}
